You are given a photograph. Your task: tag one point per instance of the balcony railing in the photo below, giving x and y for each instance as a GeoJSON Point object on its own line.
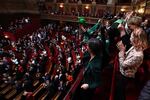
{"type": "Point", "coordinates": [71, 11]}
{"type": "Point", "coordinates": [68, 18]}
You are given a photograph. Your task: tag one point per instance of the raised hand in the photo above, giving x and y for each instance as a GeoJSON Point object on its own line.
{"type": "Point", "coordinates": [85, 86]}
{"type": "Point", "coordinates": [128, 15]}
{"type": "Point", "coordinates": [121, 46]}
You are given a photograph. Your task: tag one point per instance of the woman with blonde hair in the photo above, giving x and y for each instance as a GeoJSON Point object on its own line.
{"type": "Point", "coordinates": [131, 59]}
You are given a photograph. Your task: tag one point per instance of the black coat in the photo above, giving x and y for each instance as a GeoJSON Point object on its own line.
{"type": "Point", "coordinates": [92, 75]}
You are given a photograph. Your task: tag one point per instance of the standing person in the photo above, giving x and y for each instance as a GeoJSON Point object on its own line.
{"type": "Point", "coordinates": [89, 32]}
{"type": "Point", "coordinates": [130, 60]}
{"type": "Point", "coordinates": [92, 73]}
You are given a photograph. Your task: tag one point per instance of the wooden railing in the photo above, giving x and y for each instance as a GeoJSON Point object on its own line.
{"type": "Point", "coordinates": [68, 18]}
{"type": "Point", "coordinates": [71, 8]}
{"type": "Point", "coordinates": [71, 11]}
{"type": "Point", "coordinates": [74, 86]}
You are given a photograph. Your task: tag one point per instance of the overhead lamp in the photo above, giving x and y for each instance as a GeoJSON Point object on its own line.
{"type": "Point", "coordinates": [141, 10]}
{"type": "Point", "coordinates": [122, 9]}
{"type": "Point", "coordinates": [6, 36]}
{"type": "Point", "coordinates": [87, 7]}
{"type": "Point", "coordinates": [61, 5]}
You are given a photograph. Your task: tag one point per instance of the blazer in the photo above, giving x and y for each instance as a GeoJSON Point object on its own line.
{"type": "Point", "coordinates": [92, 73]}
{"type": "Point", "coordinates": [130, 62]}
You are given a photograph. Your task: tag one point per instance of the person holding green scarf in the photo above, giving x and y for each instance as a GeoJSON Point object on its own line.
{"type": "Point", "coordinates": [88, 33]}
{"type": "Point", "coordinates": [100, 28]}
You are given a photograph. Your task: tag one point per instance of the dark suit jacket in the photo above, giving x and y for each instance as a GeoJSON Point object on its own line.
{"type": "Point", "coordinates": [92, 75]}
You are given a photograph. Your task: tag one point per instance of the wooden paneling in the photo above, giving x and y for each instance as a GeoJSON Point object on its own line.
{"type": "Point", "coordinates": [17, 6]}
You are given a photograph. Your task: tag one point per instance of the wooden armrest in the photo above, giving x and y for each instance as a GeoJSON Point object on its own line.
{"type": "Point", "coordinates": [44, 96]}
{"type": "Point", "coordinates": [35, 83]}
{"type": "Point", "coordinates": [56, 95]}
{"type": "Point", "coordinates": [50, 67]}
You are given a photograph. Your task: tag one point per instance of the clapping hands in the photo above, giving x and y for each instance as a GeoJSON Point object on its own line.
{"type": "Point", "coordinates": [121, 46]}
{"type": "Point", "coordinates": [85, 86]}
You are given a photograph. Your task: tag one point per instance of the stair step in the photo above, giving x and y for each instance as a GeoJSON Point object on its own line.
{"type": "Point", "coordinates": [37, 91]}
{"type": "Point", "coordinates": [5, 90]}
{"type": "Point", "coordinates": [18, 97]}
{"type": "Point", "coordinates": [43, 97]}
{"type": "Point", "coordinates": [56, 96]}
{"type": "Point", "coordinates": [3, 85]}
{"type": "Point", "coordinates": [11, 94]}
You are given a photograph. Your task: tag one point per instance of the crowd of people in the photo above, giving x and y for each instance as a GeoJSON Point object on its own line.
{"type": "Point", "coordinates": [68, 48]}
{"type": "Point", "coordinates": [18, 24]}
{"type": "Point", "coordinates": [13, 27]}
{"type": "Point", "coordinates": [25, 59]}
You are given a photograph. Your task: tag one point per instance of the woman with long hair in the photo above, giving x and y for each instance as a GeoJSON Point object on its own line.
{"type": "Point", "coordinates": [130, 60]}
